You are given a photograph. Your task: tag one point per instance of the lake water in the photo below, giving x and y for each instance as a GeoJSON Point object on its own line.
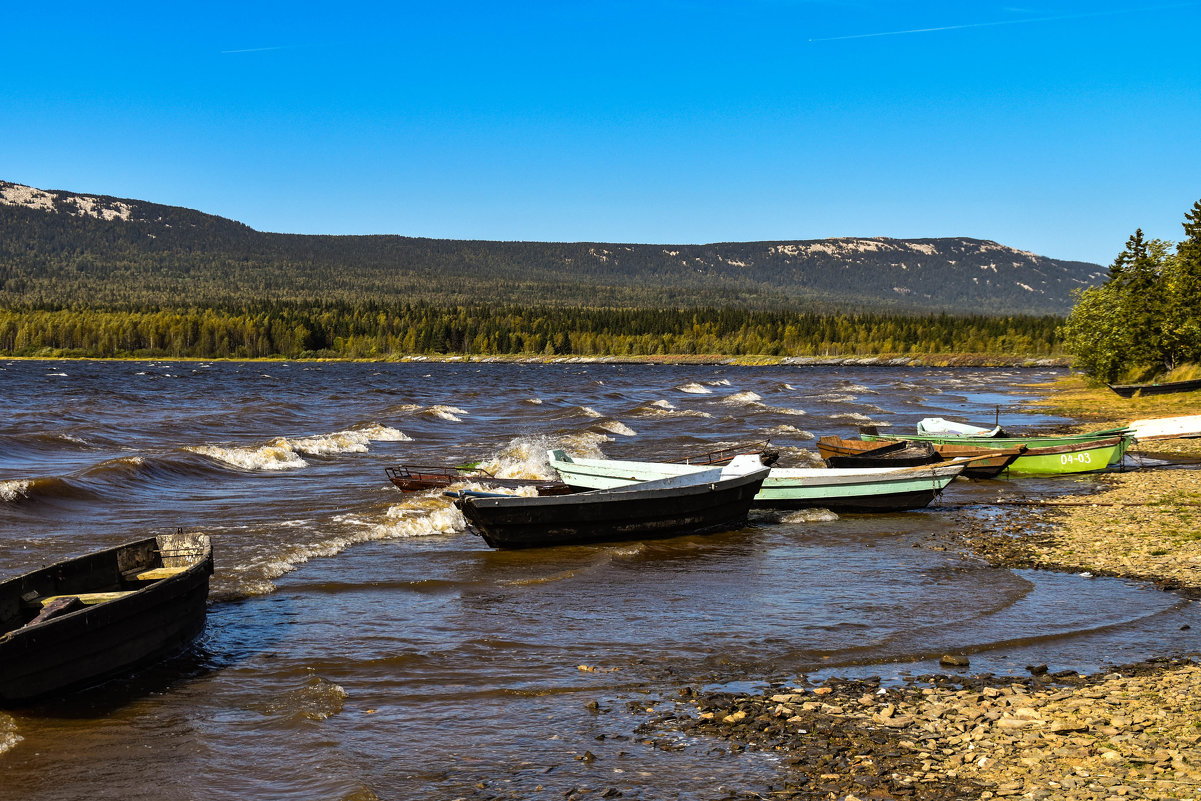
{"type": "Point", "coordinates": [362, 643]}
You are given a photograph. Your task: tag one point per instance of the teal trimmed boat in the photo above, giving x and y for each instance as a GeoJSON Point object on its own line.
{"type": "Point", "coordinates": [875, 489]}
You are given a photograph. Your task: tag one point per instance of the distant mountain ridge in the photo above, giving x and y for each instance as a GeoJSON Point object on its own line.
{"type": "Point", "coordinates": [60, 247]}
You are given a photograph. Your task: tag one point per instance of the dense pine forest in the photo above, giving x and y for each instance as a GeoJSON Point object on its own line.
{"type": "Point", "coordinates": [380, 332]}
{"type": "Point", "coordinates": [92, 276]}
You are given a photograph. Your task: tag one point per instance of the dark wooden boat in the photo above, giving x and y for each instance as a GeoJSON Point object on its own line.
{"type": "Point", "coordinates": [985, 462]}
{"type": "Point", "coordinates": [839, 452]}
{"type": "Point", "coordinates": [695, 503]}
{"type": "Point", "coordinates": [1166, 388]}
{"type": "Point", "coordinates": [82, 620]}
{"type": "Point", "coordinates": [411, 478]}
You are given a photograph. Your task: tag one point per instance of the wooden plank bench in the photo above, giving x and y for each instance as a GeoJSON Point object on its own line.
{"type": "Point", "coordinates": [154, 574]}
{"type": "Point", "coordinates": [86, 598]}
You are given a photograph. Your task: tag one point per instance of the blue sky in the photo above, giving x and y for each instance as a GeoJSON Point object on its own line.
{"type": "Point", "coordinates": [1052, 127]}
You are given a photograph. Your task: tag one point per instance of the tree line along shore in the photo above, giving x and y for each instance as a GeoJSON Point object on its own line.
{"type": "Point", "coordinates": [378, 331]}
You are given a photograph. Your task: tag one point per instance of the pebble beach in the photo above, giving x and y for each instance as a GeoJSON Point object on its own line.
{"type": "Point", "coordinates": [1130, 732]}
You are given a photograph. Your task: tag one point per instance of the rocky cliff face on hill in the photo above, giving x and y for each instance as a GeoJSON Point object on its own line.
{"type": "Point", "coordinates": [64, 247]}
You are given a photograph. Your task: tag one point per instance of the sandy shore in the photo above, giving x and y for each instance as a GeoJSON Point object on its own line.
{"type": "Point", "coordinates": [1132, 733]}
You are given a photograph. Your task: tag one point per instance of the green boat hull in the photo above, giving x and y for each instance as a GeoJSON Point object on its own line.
{"type": "Point", "coordinates": [1073, 459]}
{"type": "Point", "coordinates": [1003, 442]}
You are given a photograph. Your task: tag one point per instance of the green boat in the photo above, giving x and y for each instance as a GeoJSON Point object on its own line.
{"type": "Point", "coordinates": [1032, 441]}
{"type": "Point", "coordinates": [1044, 455]}
{"type": "Point", "coordinates": [1072, 457]}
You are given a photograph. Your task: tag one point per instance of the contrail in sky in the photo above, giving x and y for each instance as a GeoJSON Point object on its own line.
{"type": "Point", "coordinates": [252, 50]}
{"type": "Point", "coordinates": [1001, 22]}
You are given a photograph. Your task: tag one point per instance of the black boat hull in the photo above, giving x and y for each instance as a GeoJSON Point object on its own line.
{"type": "Point", "coordinates": [608, 516]}
{"type": "Point", "coordinates": [98, 642]}
{"type": "Point", "coordinates": [890, 502]}
{"type": "Point", "coordinates": [1168, 388]}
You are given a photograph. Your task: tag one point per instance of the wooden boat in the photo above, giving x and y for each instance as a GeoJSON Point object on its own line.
{"type": "Point", "coordinates": [1166, 428]}
{"type": "Point", "coordinates": [410, 478]}
{"type": "Point", "coordinates": [870, 434]}
{"type": "Point", "coordinates": [1076, 457]}
{"type": "Point", "coordinates": [981, 462]}
{"type": "Point", "coordinates": [839, 452]}
{"type": "Point", "coordinates": [699, 501]}
{"type": "Point", "coordinates": [1166, 388]}
{"type": "Point", "coordinates": [846, 489]}
{"type": "Point", "coordinates": [82, 620]}
{"type": "Point", "coordinates": [1044, 455]}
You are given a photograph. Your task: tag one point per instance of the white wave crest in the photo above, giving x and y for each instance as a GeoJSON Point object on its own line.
{"type": "Point", "coordinates": [721, 382]}
{"type": "Point", "coordinates": [791, 432]}
{"type": "Point", "coordinates": [13, 490]}
{"type": "Point", "coordinates": [450, 413]}
{"type": "Point", "coordinates": [522, 457]}
{"type": "Point", "coordinates": [743, 398]}
{"type": "Point", "coordinates": [534, 401]}
{"type": "Point", "coordinates": [784, 410]}
{"type": "Point", "coordinates": [854, 417]}
{"type": "Point", "coordinates": [275, 455]}
{"type": "Point", "coordinates": [617, 427]}
{"type": "Point", "coordinates": [585, 444]}
{"type": "Point", "coordinates": [403, 522]}
{"type": "Point", "coordinates": [655, 410]}
{"type": "Point", "coordinates": [351, 441]}
{"type": "Point", "coordinates": [590, 412]}
{"type": "Point", "coordinates": [695, 389]}
{"type": "Point", "coordinates": [283, 453]}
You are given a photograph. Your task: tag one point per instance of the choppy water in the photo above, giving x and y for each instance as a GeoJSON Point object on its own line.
{"type": "Point", "coordinates": [363, 644]}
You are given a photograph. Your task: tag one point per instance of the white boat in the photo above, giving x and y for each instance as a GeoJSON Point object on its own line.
{"type": "Point", "coordinates": [937, 426]}
{"type": "Point", "coordinates": [1167, 427]}
{"type": "Point", "coordinates": [866, 489]}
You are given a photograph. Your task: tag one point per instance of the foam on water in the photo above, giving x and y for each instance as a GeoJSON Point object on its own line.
{"type": "Point", "coordinates": [443, 412]}
{"type": "Point", "coordinates": [665, 409]}
{"type": "Point", "coordinates": [523, 457]}
{"type": "Point", "coordinates": [720, 382]}
{"type": "Point", "coordinates": [809, 516]}
{"type": "Point", "coordinates": [854, 417]}
{"type": "Point", "coordinates": [781, 410]}
{"type": "Point", "coordinates": [351, 441]}
{"type": "Point", "coordinates": [588, 411]}
{"type": "Point", "coordinates": [534, 401]}
{"type": "Point", "coordinates": [617, 427]}
{"type": "Point", "coordinates": [275, 455]}
{"type": "Point", "coordinates": [283, 453]}
{"type": "Point", "coordinates": [790, 432]}
{"type": "Point", "coordinates": [8, 733]}
{"type": "Point", "coordinates": [14, 490]}
{"type": "Point", "coordinates": [695, 389]}
{"type": "Point", "coordinates": [405, 521]}
{"type": "Point", "coordinates": [318, 699]}
{"type": "Point", "coordinates": [745, 398]}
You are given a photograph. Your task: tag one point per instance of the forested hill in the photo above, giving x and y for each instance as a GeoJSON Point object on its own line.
{"type": "Point", "coordinates": [62, 248]}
